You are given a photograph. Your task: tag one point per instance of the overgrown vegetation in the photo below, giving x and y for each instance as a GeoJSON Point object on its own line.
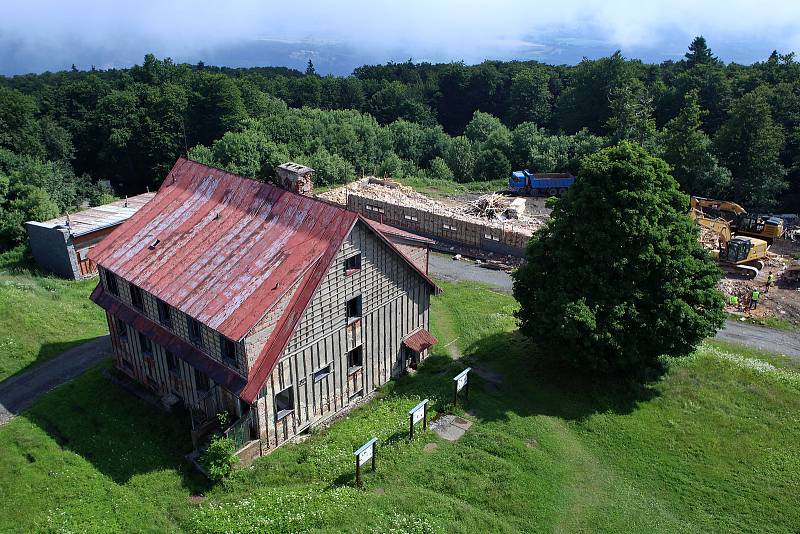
{"type": "Point", "coordinates": [41, 315]}
{"type": "Point", "coordinates": [547, 451]}
{"type": "Point", "coordinates": [219, 458]}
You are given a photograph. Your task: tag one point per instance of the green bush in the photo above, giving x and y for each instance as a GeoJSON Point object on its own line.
{"type": "Point", "coordinates": [550, 202]}
{"type": "Point", "coordinates": [219, 458]}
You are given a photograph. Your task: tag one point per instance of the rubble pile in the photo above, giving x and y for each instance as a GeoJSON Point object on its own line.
{"type": "Point", "coordinates": [492, 210]}
{"type": "Point", "coordinates": [709, 239]}
{"type": "Point", "coordinates": [740, 288]}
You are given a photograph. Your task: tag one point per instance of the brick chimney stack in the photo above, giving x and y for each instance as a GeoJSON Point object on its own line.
{"type": "Point", "coordinates": [295, 177]}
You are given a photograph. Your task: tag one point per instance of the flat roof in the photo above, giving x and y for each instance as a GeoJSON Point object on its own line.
{"type": "Point", "coordinates": [100, 217]}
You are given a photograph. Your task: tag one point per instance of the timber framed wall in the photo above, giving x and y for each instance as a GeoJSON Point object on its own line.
{"type": "Point", "coordinates": [442, 228]}
{"type": "Point", "coordinates": [395, 302]}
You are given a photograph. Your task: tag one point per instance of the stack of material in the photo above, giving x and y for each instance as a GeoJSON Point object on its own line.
{"type": "Point", "coordinates": [735, 287]}
{"type": "Point", "coordinates": [395, 193]}
{"type": "Point", "coordinates": [709, 239]}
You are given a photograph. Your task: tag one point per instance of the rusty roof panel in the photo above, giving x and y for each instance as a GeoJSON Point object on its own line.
{"type": "Point", "coordinates": [228, 247]}
{"type": "Point", "coordinates": [419, 340]}
{"type": "Point", "coordinates": [391, 230]}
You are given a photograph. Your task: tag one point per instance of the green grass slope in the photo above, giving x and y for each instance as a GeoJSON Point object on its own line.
{"type": "Point", "coordinates": [713, 446]}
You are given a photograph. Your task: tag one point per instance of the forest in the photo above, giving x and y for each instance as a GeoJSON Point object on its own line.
{"type": "Point", "coordinates": [726, 130]}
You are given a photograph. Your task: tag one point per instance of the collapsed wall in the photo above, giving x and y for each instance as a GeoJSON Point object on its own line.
{"type": "Point", "coordinates": [501, 238]}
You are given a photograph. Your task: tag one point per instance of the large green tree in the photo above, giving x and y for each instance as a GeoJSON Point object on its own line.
{"type": "Point", "coordinates": [617, 278]}
{"type": "Point", "coordinates": [749, 144]}
{"type": "Point", "coordinates": [689, 151]}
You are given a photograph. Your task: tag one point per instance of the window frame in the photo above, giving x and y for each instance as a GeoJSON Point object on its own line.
{"type": "Point", "coordinates": [111, 283]}
{"type": "Point", "coordinates": [355, 364]}
{"type": "Point", "coordinates": [322, 373]}
{"type": "Point", "coordinates": [287, 409]}
{"type": "Point", "coordinates": [172, 362]}
{"type": "Point", "coordinates": [352, 264]}
{"type": "Point", "coordinates": [358, 305]}
{"type": "Point", "coordinates": [165, 318]}
{"type": "Point", "coordinates": [138, 301]}
{"type": "Point", "coordinates": [225, 346]}
{"type": "Point", "coordinates": [145, 341]}
{"type": "Point", "coordinates": [201, 377]}
{"type": "Point", "coordinates": [122, 329]}
{"type": "Point", "coordinates": [192, 324]}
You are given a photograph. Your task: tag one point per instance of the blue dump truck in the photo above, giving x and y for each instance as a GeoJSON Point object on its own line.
{"type": "Point", "coordinates": [549, 184]}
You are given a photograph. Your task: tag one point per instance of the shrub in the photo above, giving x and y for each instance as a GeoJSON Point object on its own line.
{"type": "Point", "coordinates": [219, 458]}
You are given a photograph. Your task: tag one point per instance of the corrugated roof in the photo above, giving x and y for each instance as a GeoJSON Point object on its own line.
{"type": "Point", "coordinates": [228, 250]}
{"type": "Point", "coordinates": [419, 340]}
{"type": "Point", "coordinates": [99, 217]}
{"type": "Point", "coordinates": [391, 230]}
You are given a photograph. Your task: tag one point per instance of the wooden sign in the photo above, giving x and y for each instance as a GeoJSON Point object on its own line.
{"type": "Point", "coordinates": [415, 415]}
{"type": "Point", "coordinates": [364, 454]}
{"type": "Point", "coordinates": [461, 381]}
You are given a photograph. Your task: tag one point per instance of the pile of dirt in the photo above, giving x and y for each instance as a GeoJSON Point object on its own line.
{"type": "Point", "coordinates": [395, 193]}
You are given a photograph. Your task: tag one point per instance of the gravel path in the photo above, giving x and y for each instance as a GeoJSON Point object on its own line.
{"type": "Point", "coordinates": [759, 337]}
{"type": "Point", "coordinates": [21, 390]}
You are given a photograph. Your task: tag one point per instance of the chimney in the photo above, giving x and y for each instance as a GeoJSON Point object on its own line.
{"type": "Point", "coordinates": [295, 178]}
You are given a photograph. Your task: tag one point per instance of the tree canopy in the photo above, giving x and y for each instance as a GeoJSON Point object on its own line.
{"type": "Point", "coordinates": [617, 278]}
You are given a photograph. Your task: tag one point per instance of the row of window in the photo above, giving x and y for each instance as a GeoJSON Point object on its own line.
{"type": "Point", "coordinates": [226, 346]}
{"type": "Point", "coordinates": [202, 382]}
{"type": "Point", "coordinates": [284, 399]}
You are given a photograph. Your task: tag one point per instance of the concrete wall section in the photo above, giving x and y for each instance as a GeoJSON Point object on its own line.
{"type": "Point", "coordinates": [53, 250]}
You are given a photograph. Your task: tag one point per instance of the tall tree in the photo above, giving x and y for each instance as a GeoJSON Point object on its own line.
{"type": "Point", "coordinates": [530, 99]}
{"type": "Point", "coordinates": [689, 151]}
{"type": "Point", "coordinates": [699, 53]}
{"type": "Point", "coordinates": [631, 117]}
{"type": "Point", "coordinates": [749, 144]}
{"type": "Point", "coordinates": [617, 278]}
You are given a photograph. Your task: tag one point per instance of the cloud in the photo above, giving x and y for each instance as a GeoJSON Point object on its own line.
{"type": "Point", "coordinates": [53, 33]}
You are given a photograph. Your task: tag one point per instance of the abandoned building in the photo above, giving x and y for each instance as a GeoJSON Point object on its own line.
{"type": "Point", "coordinates": [229, 295]}
{"type": "Point", "coordinates": [62, 245]}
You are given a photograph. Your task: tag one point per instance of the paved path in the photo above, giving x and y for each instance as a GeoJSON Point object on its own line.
{"type": "Point", "coordinates": [21, 390]}
{"type": "Point", "coordinates": [759, 337]}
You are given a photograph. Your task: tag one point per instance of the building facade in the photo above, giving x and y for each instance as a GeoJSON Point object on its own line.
{"type": "Point", "coordinates": [229, 295]}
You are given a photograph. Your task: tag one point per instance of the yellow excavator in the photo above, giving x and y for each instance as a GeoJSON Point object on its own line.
{"type": "Point", "coordinates": [741, 222]}
{"type": "Point", "coordinates": [735, 253]}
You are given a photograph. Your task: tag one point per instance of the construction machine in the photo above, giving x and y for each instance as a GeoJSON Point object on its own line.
{"type": "Point", "coordinates": [742, 223]}
{"type": "Point", "coordinates": [735, 253]}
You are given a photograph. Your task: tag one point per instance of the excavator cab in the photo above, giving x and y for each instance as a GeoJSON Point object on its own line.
{"type": "Point", "coordinates": [767, 228]}
{"type": "Point", "coordinates": [738, 250]}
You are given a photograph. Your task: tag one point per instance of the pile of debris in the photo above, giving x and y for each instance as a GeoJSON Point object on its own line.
{"type": "Point", "coordinates": [491, 210]}
{"type": "Point", "coordinates": [737, 288]}
{"type": "Point", "coordinates": [709, 239]}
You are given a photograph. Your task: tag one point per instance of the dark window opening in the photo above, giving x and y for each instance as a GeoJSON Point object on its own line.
{"type": "Point", "coordinates": [228, 349]}
{"type": "Point", "coordinates": [195, 334]}
{"type": "Point", "coordinates": [111, 283]}
{"type": "Point", "coordinates": [163, 313]}
{"type": "Point", "coordinates": [321, 374]}
{"type": "Point", "coordinates": [122, 330]}
{"type": "Point", "coordinates": [354, 309]}
{"type": "Point", "coordinates": [172, 362]}
{"type": "Point", "coordinates": [355, 360]}
{"type": "Point", "coordinates": [201, 382]}
{"type": "Point", "coordinates": [352, 264]}
{"type": "Point", "coordinates": [284, 402]}
{"type": "Point", "coordinates": [136, 298]}
{"type": "Point", "coordinates": [146, 344]}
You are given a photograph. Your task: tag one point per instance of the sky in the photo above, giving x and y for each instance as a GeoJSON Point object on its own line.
{"type": "Point", "coordinates": [39, 35]}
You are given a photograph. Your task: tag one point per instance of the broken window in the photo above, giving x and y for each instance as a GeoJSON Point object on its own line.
{"type": "Point", "coordinates": [195, 333]}
{"type": "Point", "coordinates": [355, 360]}
{"type": "Point", "coordinates": [354, 309]}
{"type": "Point", "coordinates": [122, 330]}
{"type": "Point", "coordinates": [227, 349]}
{"type": "Point", "coordinates": [172, 362]}
{"type": "Point", "coordinates": [201, 382]}
{"type": "Point", "coordinates": [136, 297]}
{"type": "Point", "coordinates": [352, 264]}
{"type": "Point", "coordinates": [163, 313]}
{"type": "Point", "coordinates": [111, 283]}
{"type": "Point", "coordinates": [284, 403]}
{"type": "Point", "coordinates": [145, 344]}
{"type": "Point", "coordinates": [321, 374]}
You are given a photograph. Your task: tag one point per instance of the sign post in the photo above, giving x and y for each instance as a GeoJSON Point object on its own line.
{"type": "Point", "coordinates": [415, 415]}
{"type": "Point", "coordinates": [364, 454]}
{"type": "Point", "coordinates": [461, 381]}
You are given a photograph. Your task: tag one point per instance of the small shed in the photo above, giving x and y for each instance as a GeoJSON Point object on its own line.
{"type": "Point", "coordinates": [62, 245]}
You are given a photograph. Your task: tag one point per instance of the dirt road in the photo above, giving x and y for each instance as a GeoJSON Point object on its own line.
{"type": "Point", "coordinates": [778, 341]}
{"type": "Point", "coordinates": [21, 390]}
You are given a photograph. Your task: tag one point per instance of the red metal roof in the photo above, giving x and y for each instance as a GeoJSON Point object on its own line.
{"type": "Point", "coordinates": [228, 249]}
{"type": "Point", "coordinates": [419, 340]}
{"type": "Point", "coordinates": [391, 230]}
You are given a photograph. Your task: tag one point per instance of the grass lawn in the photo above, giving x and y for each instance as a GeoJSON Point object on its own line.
{"type": "Point", "coordinates": [714, 446]}
{"type": "Point", "coordinates": [42, 316]}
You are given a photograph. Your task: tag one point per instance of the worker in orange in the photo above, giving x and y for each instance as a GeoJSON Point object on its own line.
{"type": "Point", "coordinates": [754, 296]}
